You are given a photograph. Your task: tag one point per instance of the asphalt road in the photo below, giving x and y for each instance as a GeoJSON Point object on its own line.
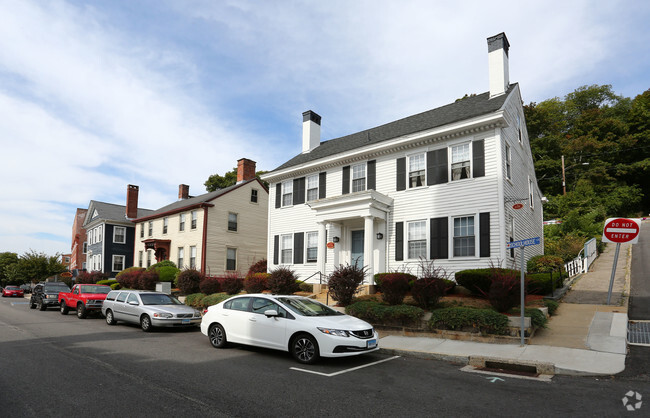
{"type": "Point", "coordinates": [54, 365]}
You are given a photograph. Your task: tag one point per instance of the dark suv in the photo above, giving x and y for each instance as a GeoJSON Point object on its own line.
{"type": "Point", "coordinates": [46, 294]}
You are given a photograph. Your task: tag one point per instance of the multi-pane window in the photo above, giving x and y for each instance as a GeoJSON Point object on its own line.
{"type": "Point", "coordinates": [118, 262]}
{"type": "Point", "coordinates": [508, 162]}
{"type": "Point", "coordinates": [312, 187]}
{"type": "Point", "coordinates": [460, 162]}
{"type": "Point", "coordinates": [150, 233]}
{"type": "Point", "coordinates": [119, 235]}
{"type": "Point", "coordinates": [530, 192]}
{"type": "Point", "coordinates": [232, 221]}
{"type": "Point", "coordinates": [181, 222]}
{"type": "Point", "coordinates": [286, 249]}
{"type": "Point", "coordinates": [416, 170]}
{"type": "Point", "coordinates": [464, 240]}
{"type": "Point", "coordinates": [193, 257]}
{"type": "Point", "coordinates": [142, 230]}
{"type": "Point", "coordinates": [194, 217]}
{"type": "Point", "coordinates": [287, 193]}
{"type": "Point", "coordinates": [165, 225]}
{"type": "Point", "coordinates": [519, 126]}
{"type": "Point", "coordinates": [181, 256]}
{"type": "Point", "coordinates": [253, 196]}
{"type": "Point", "coordinates": [231, 259]}
{"type": "Point", "coordinates": [312, 246]}
{"type": "Point", "coordinates": [99, 233]}
{"type": "Point", "coordinates": [148, 259]}
{"type": "Point", "coordinates": [85, 248]}
{"type": "Point", "coordinates": [417, 239]}
{"type": "Point", "coordinates": [359, 177]}
{"type": "Point", "coordinates": [140, 259]}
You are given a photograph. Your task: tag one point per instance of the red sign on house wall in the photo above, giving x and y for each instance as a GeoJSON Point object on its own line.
{"type": "Point", "coordinates": [621, 230]}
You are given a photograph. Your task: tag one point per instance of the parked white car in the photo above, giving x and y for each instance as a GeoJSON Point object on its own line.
{"type": "Point", "coordinates": [304, 327]}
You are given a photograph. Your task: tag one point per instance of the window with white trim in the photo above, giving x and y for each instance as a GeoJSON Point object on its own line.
{"type": "Point", "coordinates": [460, 162]}
{"type": "Point", "coordinates": [194, 218]}
{"type": "Point", "coordinates": [312, 247]}
{"type": "Point", "coordinates": [287, 193]}
{"type": "Point", "coordinates": [231, 259]}
{"type": "Point", "coordinates": [181, 256]}
{"type": "Point", "coordinates": [150, 232]}
{"type": "Point", "coordinates": [118, 262]}
{"type": "Point", "coordinates": [417, 239]}
{"type": "Point", "coordinates": [416, 170]}
{"type": "Point", "coordinates": [181, 222]}
{"type": "Point", "coordinates": [359, 177]}
{"type": "Point", "coordinates": [119, 236]}
{"type": "Point", "coordinates": [312, 187]}
{"type": "Point", "coordinates": [140, 259]}
{"type": "Point", "coordinates": [519, 126]}
{"type": "Point", "coordinates": [253, 196]}
{"type": "Point", "coordinates": [508, 163]}
{"type": "Point", "coordinates": [142, 230]}
{"type": "Point", "coordinates": [193, 257]}
{"type": "Point", "coordinates": [165, 224]}
{"type": "Point", "coordinates": [232, 222]}
{"type": "Point", "coordinates": [99, 233]}
{"type": "Point", "coordinates": [286, 249]}
{"type": "Point", "coordinates": [85, 248]}
{"type": "Point", "coordinates": [464, 238]}
{"type": "Point", "coordinates": [148, 258]}
{"type": "Point", "coordinates": [530, 193]}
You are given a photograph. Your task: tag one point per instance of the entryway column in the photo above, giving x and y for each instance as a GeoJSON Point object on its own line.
{"type": "Point", "coordinates": [368, 248]}
{"type": "Point", "coordinates": [322, 250]}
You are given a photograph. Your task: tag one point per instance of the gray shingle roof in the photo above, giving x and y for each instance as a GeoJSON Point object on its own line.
{"type": "Point", "coordinates": [466, 108]}
{"type": "Point", "coordinates": [112, 212]}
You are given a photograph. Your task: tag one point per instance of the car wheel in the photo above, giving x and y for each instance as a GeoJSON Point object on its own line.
{"type": "Point", "coordinates": [304, 348]}
{"type": "Point", "coordinates": [32, 305]}
{"type": "Point", "coordinates": [41, 307]}
{"type": "Point", "coordinates": [110, 319]}
{"type": "Point", "coordinates": [64, 308]}
{"type": "Point", "coordinates": [81, 311]}
{"type": "Point", "coordinates": [145, 323]}
{"type": "Point", "coordinates": [217, 336]}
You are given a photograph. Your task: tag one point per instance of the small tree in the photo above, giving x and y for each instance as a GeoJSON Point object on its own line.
{"type": "Point", "coordinates": [431, 286]}
{"type": "Point", "coordinates": [344, 283]}
{"type": "Point", "coordinates": [257, 267]}
{"type": "Point", "coordinates": [394, 287]}
{"type": "Point", "coordinates": [256, 282]}
{"type": "Point", "coordinates": [283, 281]}
{"type": "Point", "coordinates": [188, 281]}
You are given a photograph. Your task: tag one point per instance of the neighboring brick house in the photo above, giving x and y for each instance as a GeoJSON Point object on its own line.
{"type": "Point", "coordinates": [78, 248]}
{"type": "Point", "coordinates": [66, 259]}
{"type": "Point", "coordinates": [439, 185]}
{"type": "Point", "coordinates": [111, 233]}
{"type": "Point", "coordinates": [224, 230]}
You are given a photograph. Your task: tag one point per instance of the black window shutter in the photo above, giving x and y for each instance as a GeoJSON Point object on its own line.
{"type": "Point", "coordinates": [439, 235]}
{"type": "Point", "coordinates": [276, 249]}
{"type": "Point", "coordinates": [399, 241]}
{"type": "Point", "coordinates": [346, 180]}
{"type": "Point", "coordinates": [322, 179]}
{"type": "Point", "coordinates": [478, 155]}
{"type": "Point", "coordinates": [372, 175]}
{"type": "Point", "coordinates": [437, 171]}
{"type": "Point", "coordinates": [299, 191]}
{"type": "Point", "coordinates": [278, 195]}
{"type": "Point", "coordinates": [298, 247]}
{"type": "Point", "coordinates": [401, 173]}
{"type": "Point", "coordinates": [484, 234]}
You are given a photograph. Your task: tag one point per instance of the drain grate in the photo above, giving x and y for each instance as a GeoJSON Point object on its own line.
{"type": "Point", "coordinates": [638, 332]}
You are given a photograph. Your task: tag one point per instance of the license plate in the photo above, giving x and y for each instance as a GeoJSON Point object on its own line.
{"type": "Point", "coordinates": [185, 321]}
{"type": "Point", "coordinates": [371, 344]}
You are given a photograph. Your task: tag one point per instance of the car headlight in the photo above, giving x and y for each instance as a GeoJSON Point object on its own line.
{"type": "Point", "coordinates": [336, 332]}
{"type": "Point", "coordinates": [197, 314]}
{"type": "Point", "coordinates": [163, 315]}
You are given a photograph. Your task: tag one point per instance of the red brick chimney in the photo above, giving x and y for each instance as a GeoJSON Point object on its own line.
{"type": "Point", "coordinates": [183, 191]}
{"type": "Point", "coordinates": [245, 169]}
{"type": "Point", "coordinates": [132, 201]}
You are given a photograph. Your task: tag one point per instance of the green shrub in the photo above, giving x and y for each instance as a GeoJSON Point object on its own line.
{"type": "Point", "coordinates": [306, 287]}
{"type": "Point", "coordinates": [210, 285]}
{"type": "Point", "coordinates": [195, 300]}
{"type": "Point", "coordinates": [167, 273]}
{"type": "Point", "coordinates": [344, 283]}
{"type": "Point", "coordinates": [380, 276]}
{"type": "Point", "coordinates": [551, 305]}
{"type": "Point", "coordinates": [542, 283]}
{"type": "Point", "coordinates": [394, 287]}
{"type": "Point", "coordinates": [505, 289]}
{"type": "Point", "coordinates": [464, 319]}
{"type": "Point", "coordinates": [428, 291]}
{"type": "Point", "coordinates": [283, 281]}
{"type": "Point", "coordinates": [537, 317]}
{"type": "Point", "coordinates": [380, 313]}
{"type": "Point", "coordinates": [478, 281]}
{"type": "Point", "coordinates": [164, 263]}
{"type": "Point", "coordinates": [116, 286]}
{"type": "Point", "coordinates": [256, 282]}
{"type": "Point", "coordinates": [129, 278]}
{"type": "Point", "coordinates": [214, 299]}
{"type": "Point", "coordinates": [107, 282]}
{"type": "Point", "coordinates": [188, 281]}
{"type": "Point", "coordinates": [544, 263]}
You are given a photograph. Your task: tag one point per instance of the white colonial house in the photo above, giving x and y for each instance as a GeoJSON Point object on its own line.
{"type": "Point", "coordinates": [453, 184]}
{"type": "Point", "coordinates": [216, 232]}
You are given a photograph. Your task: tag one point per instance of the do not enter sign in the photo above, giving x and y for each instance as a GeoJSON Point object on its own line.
{"type": "Point", "coordinates": [621, 230]}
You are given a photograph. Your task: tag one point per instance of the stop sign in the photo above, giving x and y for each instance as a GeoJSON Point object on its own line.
{"type": "Point", "coordinates": [621, 230]}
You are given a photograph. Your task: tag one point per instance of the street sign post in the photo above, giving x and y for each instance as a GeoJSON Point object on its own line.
{"type": "Point", "coordinates": [619, 230]}
{"type": "Point", "coordinates": [522, 244]}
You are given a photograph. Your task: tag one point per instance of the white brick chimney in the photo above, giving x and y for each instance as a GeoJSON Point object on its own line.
{"type": "Point", "coordinates": [310, 131]}
{"type": "Point", "coordinates": [498, 64]}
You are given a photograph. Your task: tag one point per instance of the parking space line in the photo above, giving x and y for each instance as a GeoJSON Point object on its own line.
{"type": "Point", "coordinates": [344, 371]}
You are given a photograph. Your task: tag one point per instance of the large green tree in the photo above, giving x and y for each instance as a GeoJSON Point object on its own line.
{"type": "Point", "coordinates": [216, 181]}
{"type": "Point", "coordinates": [7, 261]}
{"type": "Point", "coordinates": [33, 266]}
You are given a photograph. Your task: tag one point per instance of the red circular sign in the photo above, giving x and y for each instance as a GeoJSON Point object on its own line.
{"type": "Point", "coordinates": [330, 245]}
{"type": "Point", "coordinates": [518, 206]}
{"type": "Point", "coordinates": [621, 230]}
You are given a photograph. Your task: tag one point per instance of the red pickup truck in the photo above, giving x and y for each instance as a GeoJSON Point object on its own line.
{"type": "Point", "coordinates": [83, 298]}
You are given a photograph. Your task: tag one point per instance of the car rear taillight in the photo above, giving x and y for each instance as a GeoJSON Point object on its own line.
{"type": "Point", "coordinates": [205, 311]}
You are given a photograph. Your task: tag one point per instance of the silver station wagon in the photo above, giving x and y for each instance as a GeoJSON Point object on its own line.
{"type": "Point", "coordinates": [149, 309]}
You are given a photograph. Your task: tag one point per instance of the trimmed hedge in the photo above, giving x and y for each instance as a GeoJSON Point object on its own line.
{"type": "Point", "coordinates": [478, 281]}
{"type": "Point", "coordinates": [107, 282]}
{"type": "Point", "coordinates": [542, 284]}
{"type": "Point", "coordinates": [116, 286]}
{"type": "Point", "coordinates": [195, 300]}
{"type": "Point", "coordinates": [201, 300]}
{"type": "Point", "coordinates": [381, 314]}
{"type": "Point", "coordinates": [466, 319]}
{"type": "Point", "coordinates": [214, 299]}
{"type": "Point", "coordinates": [551, 305]}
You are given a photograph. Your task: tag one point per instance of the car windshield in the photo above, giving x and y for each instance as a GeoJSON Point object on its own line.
{"type": "Point", "coordinates": [158, 299]}
{"type": "Point", "coordinates": [12, 288]}
{"type": "Point", "coordinates": [56, 287]}
{"type": "Point", "coordinates": [308, 307]}
{"type": "Point", "coordinates": [95, 289]}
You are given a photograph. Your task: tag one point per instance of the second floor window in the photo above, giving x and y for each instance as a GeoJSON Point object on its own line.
{"type": "Point", "coordinates": [85, 248]}
{"type": "Point", "coordinates": [253, 196]}
{"type": "Point", "coordinates": [460, 162]}
{"type": "Point", "coordinates": [287, 193]}
{"type": "Point", "coordinates": [358, 178]}
{"type": "Point", "coordinates": [508, 162]}
{"type": "Point", "coordinates": [165, 225]}
{"type": "Point", "coordinates": [232, 222]}
{"type": "Point", "coordinates": [416, 170]}
{"type": "Point", "coordinates": [150, 228]}
{"type": "Point", "coordinates": [312, 187]}
{"type": "Point", "coordinates": [231, 259]}
{"type": "Point", "coordinates": [142, 230]}
{"type": "Point", "coordinates": [194, 217]}
{"type": "Point", "coordinates": [181, 222]}
{"type": "Point", "coordinates": [119, 235]}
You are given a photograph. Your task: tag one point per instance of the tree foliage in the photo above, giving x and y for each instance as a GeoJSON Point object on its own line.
{"type": "Point", "coordinates": [29, 267]}
{"type": "Point", "coordinates": [216, 181]}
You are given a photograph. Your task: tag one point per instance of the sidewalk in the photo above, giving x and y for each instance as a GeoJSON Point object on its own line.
{"type": "Point", "coordinates": [584, 337]}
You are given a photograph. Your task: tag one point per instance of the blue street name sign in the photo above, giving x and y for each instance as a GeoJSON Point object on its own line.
{"type": "Point", "coordinates": [523, 243]}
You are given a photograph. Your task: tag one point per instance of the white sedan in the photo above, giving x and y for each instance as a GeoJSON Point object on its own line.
{"type": "Point", "coordinates": [304, 327]}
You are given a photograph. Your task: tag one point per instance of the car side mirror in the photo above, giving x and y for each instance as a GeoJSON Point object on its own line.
{"type": "Point", "coordinates": [271, 313]}
{"type": "Point", "coordinates": [134, 303]}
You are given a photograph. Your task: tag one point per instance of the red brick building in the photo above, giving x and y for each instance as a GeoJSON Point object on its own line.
{"type": "Point", "coordinates": [78, 254]}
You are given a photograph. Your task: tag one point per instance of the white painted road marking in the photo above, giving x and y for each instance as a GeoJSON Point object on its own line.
{"type": "Point", "coordinates": [343, 371]}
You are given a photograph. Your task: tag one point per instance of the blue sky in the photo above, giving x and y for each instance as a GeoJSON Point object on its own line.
{"type": "Point", "coordinates": [96, 95]}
